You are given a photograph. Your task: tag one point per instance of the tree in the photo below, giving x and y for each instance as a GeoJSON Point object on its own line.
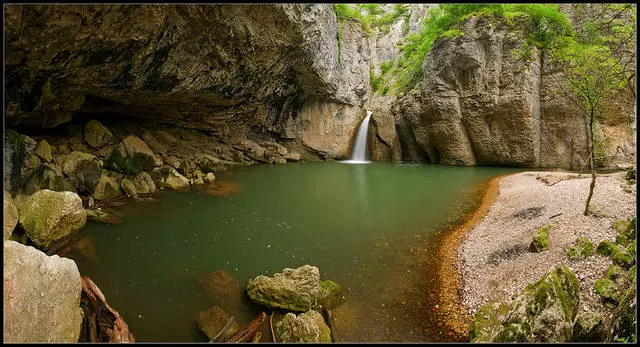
{"type": "Point", "coordinates": [595, 63]}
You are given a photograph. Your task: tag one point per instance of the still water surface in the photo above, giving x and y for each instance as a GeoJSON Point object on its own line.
{"type": "Point", "coordinates": [371, 228]}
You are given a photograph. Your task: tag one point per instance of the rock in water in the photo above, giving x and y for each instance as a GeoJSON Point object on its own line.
{"type": "Point", "coordinates": [306, 327]}
{"type": "Point", "coordinates": [176, 181]}
{"type": "Point", "coordinates": [96, 134]}
{"type": "Point", "coordinates": [108, 187]}
{"type": "Point", "coordinates": [220, 284]}
{"type": "Point", "coordinates": [10, 215]}
{"type": "Point", "coordinates": [545, 310]}
{"type": "Point", "coordinates": [132, 156]}
{"type": "Point", "coordinates": [217, 324]}
{"type": "Point", "coordinates": [41, 296]}
{"type": "Point", "coordinates": [47, 216]}
{"type": "Point", "coordinates": [294, 290]}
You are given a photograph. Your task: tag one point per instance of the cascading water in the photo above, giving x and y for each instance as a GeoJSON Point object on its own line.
{"type": "Point", "coordinates": [359, 152]}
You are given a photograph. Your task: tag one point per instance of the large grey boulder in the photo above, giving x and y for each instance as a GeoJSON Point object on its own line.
{"type": "Point", "coordinates": [175, 180]}
{"type": "Point", "coordinates": [108, 187]}
{"type": "Point", "coordinates": [83, 169]}
{"type": "Point", "coordinates": [293, 289]}
{"type": "Point", "coordinates": [47, 216]}
{"type": "Point", "coordinates": [96, 134]}
{"type": "Point", "coordinates": [132, 156]}
{"type": "Point", "coordinates": [305, 327]}
{"type": "Point", "coordinates": [141, 184]}
{"type": "Point", "coordinates": [10, 215]}
{"type": "Point", "coordinates": [41, 296]}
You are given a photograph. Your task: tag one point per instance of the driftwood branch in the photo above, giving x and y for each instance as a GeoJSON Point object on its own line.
{"type": "Point", "coordinates": [248, 331]}
{"type": "Point", "coordinates": [102, 323]}
{"type": "Point", "coordinates": [273, 335]}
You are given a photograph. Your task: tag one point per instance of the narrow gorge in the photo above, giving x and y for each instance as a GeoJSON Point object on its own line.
{"type": "Point", "coordinates": [158, 157]}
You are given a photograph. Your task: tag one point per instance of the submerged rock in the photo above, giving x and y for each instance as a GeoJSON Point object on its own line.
{"type": "Point", "coordinates": [132, 156]}
{"type": "Point", "coordinates": [329, 294]}
{"type": "Point", "coordinates": [47, 216]}
{"type": "Point", "coordinates": [220, 284]}
{"type": "Point", "coordinates": [305, 327]}
{"type": "Point", "coordinates": [293, 289]}
{"type": "Point", "coordinates": [217, 324]}
{"type": "Point", "coordinates": [41, 296]}
{"type": "Point", "coordinates": [10, 215]}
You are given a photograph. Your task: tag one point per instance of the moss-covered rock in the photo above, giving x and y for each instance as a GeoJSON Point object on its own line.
{"type": "Point", "coordinates": [625, 231]}
{"type": "Point", "coordinates": [545, 310]}
{"type": "Point", "coordinates": [606, 288]}
{"type": "Point", "coordinates": [605, 247]}
{"type": "Point", "coordinates": [96, 134]}
{"type": "Point", "coordinates": [540, 240]}
{"type": "Point", "coordinates": [330, 294]}
{"type": "Point", "coordinates": [487, 322]}
{"type": "Point", "coordinates": [217, 324]}
{"type": "Point", "coordinates": [131, 157]}
{"type": "Point", "coordinates": [47, 216]}
{"type": "Point", "coordinates": [175, 180]}
{"type": "Point", "coordinates": [46, 176]}
{"type": "Point", "coordinates": [589, 328]}
{"type": "Point", "coordinates": [293, 289]}
{"type": "Point", "coordinates": [582, 248]}
{"type": "Point", "coordinates": [631, 274]}
{"type": "Point", "coordinates": [614, 271]}
{"type": "Point", "coordinates": [624, 319]}
{"type": "Point", "coordinates": [621, 256]}
{"type": "Point", "coordinates": [306, 327]}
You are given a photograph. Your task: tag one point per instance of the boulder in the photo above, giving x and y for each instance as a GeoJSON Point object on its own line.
{"type": "Point", "coordinates": [10, 215]}
{"type": "Point", "coordinates": [173, 161]}
{"type": "Point", "coordinates": [623, 322]}
{"type": "Point", "coordinates": [540, 240]}
{"type": "Point", "coordinates": [581, 249]}
{"type": "Point", "coordinates": [293, 289]}
{"type": "Point", "coordinates": [43, 150]}
{"type": "Point", "coordinates": [209, 177]}
{"type": "Point", "coordinates": [46, 176]}
{"type": "Point", "coordinates": [16, 155]}
{"type": "Point", "coordinates": [142, 184]}
{"type": "Point", "coordinates": [487, 322]}
{"type": "Point", "coordinates": [545, 310]}
{"type": "Point", "coordinates": [187, 167]}
{"type": "Point", "coordinates": [83, 169]}
{"type": "Point", "coordinates": [588, 328]}
{"type": "Point", "coordinates": [96, 134]}
{"type": "Point", "coordinates": [251, 149]}
{"type": "Point", "coordinates": [175, 180]}
{"type": "Point", "coordinates": [131, 156]}
{"type": "Point", "coordinates": [47, 216]}
{"type": "Point", "coordinates": [217, 324]}
{"type": "Point", "coordinates": [305, 327]}
{"type": "Point", "coordinates": [330, 294]}
{"type": "Point", "coordinates": [274, 148]}
{"type": "Point", "coordinates": [606, 288]}
{"type": "Point", "coordinates": [153, 143]}
{"type": "Point", "coordinates": [41, 296]}
{"type": "Point", "coordinates": [208, 163]}
{"type": "Point", "coordinates": [293, 156]}
{"type": "Point", "coordinates": [108, 187]}
{"type": "Point", "coordinates": [128, 187]}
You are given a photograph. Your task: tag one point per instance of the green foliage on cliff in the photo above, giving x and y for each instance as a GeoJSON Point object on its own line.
{"type": "Point", "coordinates": [371, 16]}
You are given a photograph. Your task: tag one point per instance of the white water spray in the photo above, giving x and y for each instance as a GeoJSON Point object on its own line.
{"type": "Point", "coordinates": [359, 153]}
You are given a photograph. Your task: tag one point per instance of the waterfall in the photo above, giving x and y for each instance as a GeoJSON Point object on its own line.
{"type": "Point", "coordinates": [359, 152]}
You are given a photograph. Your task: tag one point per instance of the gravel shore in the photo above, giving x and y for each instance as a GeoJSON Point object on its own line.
{"type": "Point", "coordinates": [494, 260]}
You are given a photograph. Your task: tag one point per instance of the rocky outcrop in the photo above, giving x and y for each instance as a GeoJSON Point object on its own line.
{"type": "Point", "coordinates": [10, 215]}
{"type": "Point", "coordinates": [305, 327]}
{"type": "Point", "coordinates": [47, 216]}
{"type": "Point", "coordinates": [293, 289]}
{"type": "Point", "coordinates": [41, 296]}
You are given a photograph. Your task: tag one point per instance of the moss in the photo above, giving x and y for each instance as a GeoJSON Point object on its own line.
{"type": "Point", "coordinates": [515, 332]}
{"type": "Point", "coordinates": [621, 256]}
{"type": "Point", "coordinates": [605, 247]}
{"type": "Point", "coordinates": [487, 322]}
{"type": "Point", "coordinates": [631, 274]}
{"type": "Point", "coordinates": [625, 231]}
{"type": "Point", "coordinates": [582, 248]}
{"type": "Point", "coordinates": [329, 294]}
{"type": "Point", "coordinates": [588, 328]}
{"type": "Point", "coordinates": [540, 240]}
{"type": "Point", "coordinates": [614, 271]}
{"type": "Point", "coordinates": [607, 290]}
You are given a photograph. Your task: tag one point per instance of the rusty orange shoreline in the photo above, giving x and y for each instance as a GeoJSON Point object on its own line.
{"type": "Point", "coordinates": [447, 293]}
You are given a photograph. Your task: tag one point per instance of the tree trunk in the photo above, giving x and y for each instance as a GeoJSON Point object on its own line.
{"type": "Point", "coordinates": [591, 165]}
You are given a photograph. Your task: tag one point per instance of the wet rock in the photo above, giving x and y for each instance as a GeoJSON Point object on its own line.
{"type": "Point", "coordinates": [128, 187]}
{"type": "Point", "coordinates": [293, 289]}
{"type": "Point", "coordinates": [540, 240]}
{"type": "Point", "coordinates": [131, 156]}
{"type": "Point", "coordinates": [41, 296]}
{"type": "Point", "coordinates": [96, 134]}
{"type": "Point", "coordinates": [101, 216]}
{"type": "Point", "coordinates": [208, 163]}
{"type": "Point", "coordinates": [487, 322]}
{"type": "Point", "coordinates": [10, 215]}
{"type": "Point", "coordinates": [47, 216]}
{"type": "Point", "coordinates": [329, 294]}
{"type": "Point", "coordinates": [198, 178]}
{"type": "Point", "coordinates": [588, 328]}
{"type": "Point", "coordinates": [17, 152]}
{"type": "Point", "coordinates": [581, 249]}
{"type": "Point", "coordinates": [43, 150]}
{"type": "Point", "coordinates": [84, 171]}
{"type": "Point", "coordinates": [176, 181]}
{"type": "Point", "coordinates": [108, 187]}
{"type": "Point", "coordinates": [209, 177]}
{"type": "Point", "coordinates": [46, 176]}
{"type": "Point", "coordinates": [217, 324]}
{"type": "Point", "coordinates": [305, 327]}
{"type": "Point", "coordinates": [545, 310]}
{"type": "Point", "coordinates": [220, 284]}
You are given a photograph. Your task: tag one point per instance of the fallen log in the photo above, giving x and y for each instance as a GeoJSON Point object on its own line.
{"type": "Point", "coordinates": [103, 323]}
{"type": "Point", "coordinates": [256, 337]}
{"type": "Point", "coordinates": [248, 331]}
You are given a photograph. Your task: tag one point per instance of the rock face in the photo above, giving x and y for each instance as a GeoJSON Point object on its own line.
{"type": "Point", "coordinates": [47, 216]}
{"type": "Point", "coordinates": [41, 296]}
{"type": "Point", "coordinates": [293, 289]}
{"type": "Point", "coordinates": [544, 312]}
{"type": "Point", "coordinates": [306, 327]}
{"type": "Point", "coordinates": [10, 215]}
